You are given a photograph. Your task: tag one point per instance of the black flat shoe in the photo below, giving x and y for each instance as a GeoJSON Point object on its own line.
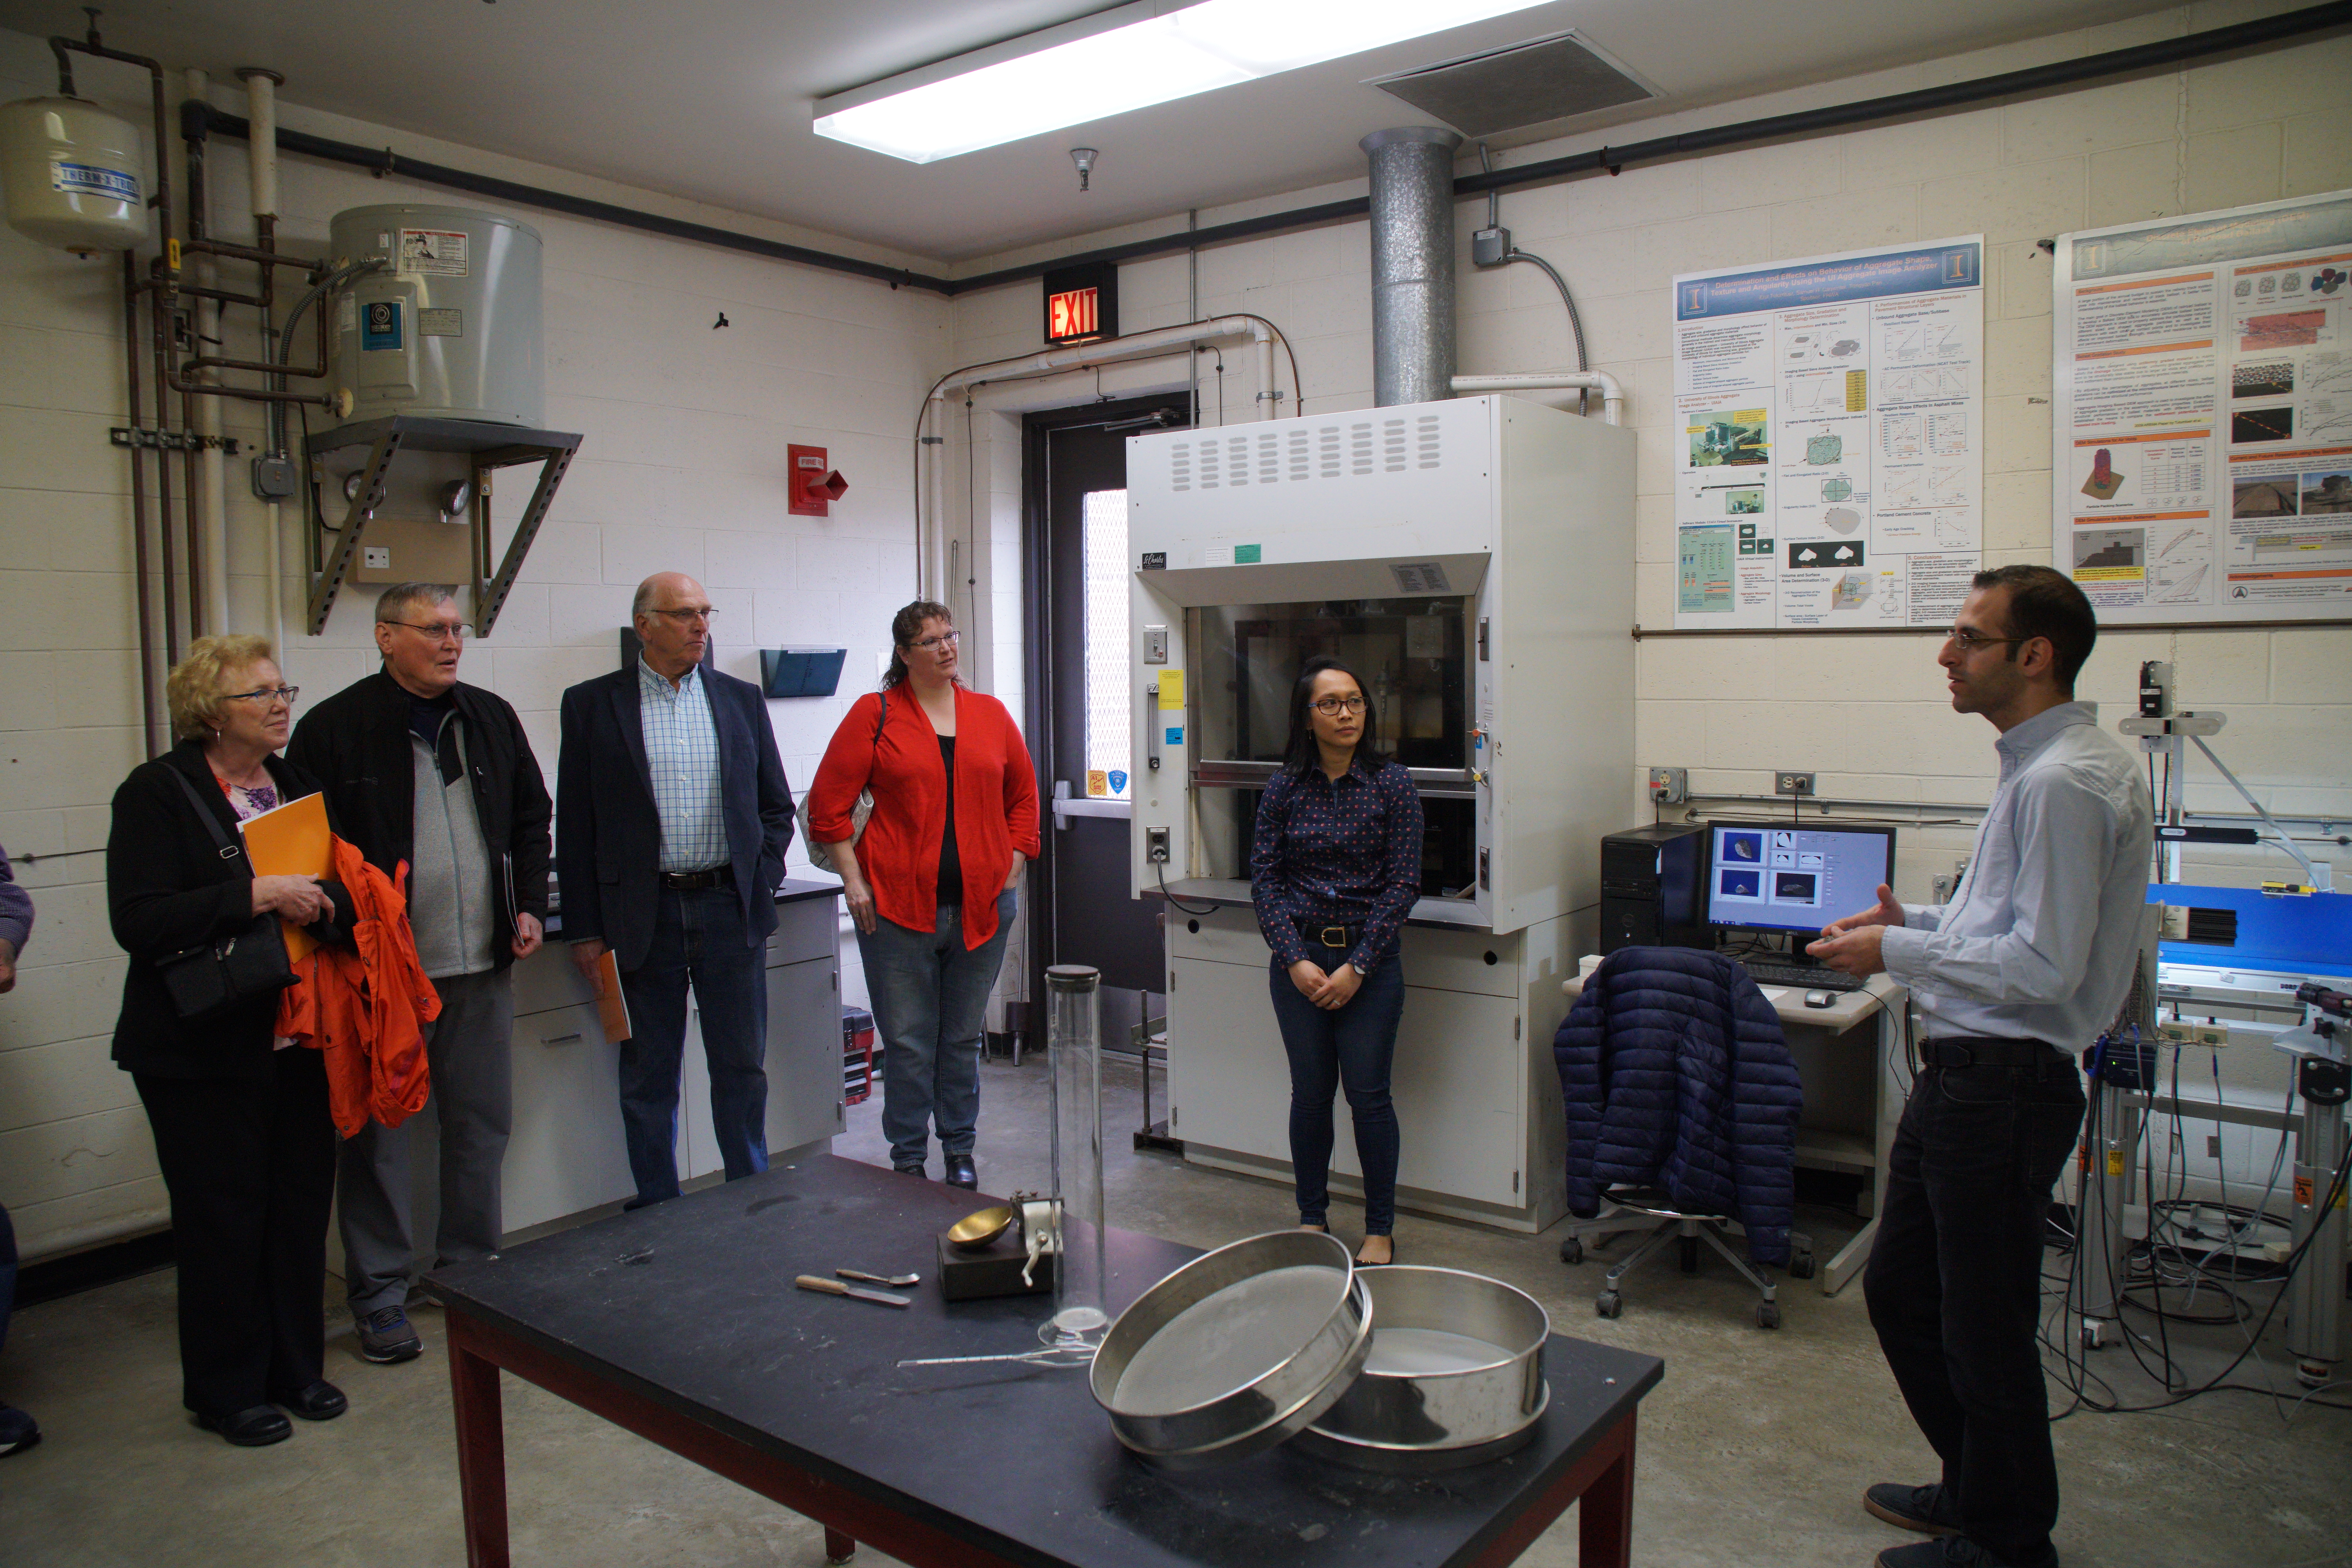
{"type": "Point", "coordinates": [959, 1172]}
{"type": "Point", "coordinates": [254, 1428]}
{"type": "Point", "coordinates": [913, 1169]}
{"type": "Point", "coordinates": [321, 1401]}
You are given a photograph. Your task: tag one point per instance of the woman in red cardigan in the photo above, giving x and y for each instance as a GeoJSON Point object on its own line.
{"type": "Point", "coordinates": [930, 878]}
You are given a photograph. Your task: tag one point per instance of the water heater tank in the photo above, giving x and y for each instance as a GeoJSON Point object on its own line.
{"type": "Point", "coordinates": [73, 174]}
{"type": "Point", "coordinates": [450, 327]}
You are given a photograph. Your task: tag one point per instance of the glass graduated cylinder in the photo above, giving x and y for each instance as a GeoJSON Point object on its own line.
{"type": "Point", "coordinates": [1073, 1048]}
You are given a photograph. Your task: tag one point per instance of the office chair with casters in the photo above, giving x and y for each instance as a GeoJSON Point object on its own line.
{"type": "Point", "coordinates": [1634, 1208]}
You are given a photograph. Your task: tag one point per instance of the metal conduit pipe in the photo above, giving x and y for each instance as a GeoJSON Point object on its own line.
{"type": "Point", "coordinates": [1413, 263]}
{"type": "Point", "coordinates": [1613, 396]}
{"type": "Point", "coordinates": [931, 483]}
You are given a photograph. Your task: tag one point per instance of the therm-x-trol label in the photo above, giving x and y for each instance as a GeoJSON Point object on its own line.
{"type": "Point", "coordinates": [440, 324]}
{"type": "Point", "coordinates": [85, 179]}
{"type": "Point", "coordinates": [437, 252]}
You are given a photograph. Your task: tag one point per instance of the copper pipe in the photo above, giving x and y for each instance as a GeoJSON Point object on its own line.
{"type": "Point", "coordinates": [250, 253]}
{"type": "Point", "coordinates": [191, 478]}
{"type": "Point", "coordinates": [159, 338]}
{"type": "Point", "coordinates": [139, 508]}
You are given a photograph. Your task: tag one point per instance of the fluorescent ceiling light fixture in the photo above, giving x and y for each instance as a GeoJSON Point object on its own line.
{"type": "Point", "coordinates": [1119, 61]}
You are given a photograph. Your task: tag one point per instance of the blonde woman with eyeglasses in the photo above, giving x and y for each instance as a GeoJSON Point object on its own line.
{"type": "Point", "coordinates": [240, 1118]}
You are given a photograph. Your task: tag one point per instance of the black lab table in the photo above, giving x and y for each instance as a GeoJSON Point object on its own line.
{"type": "Point", "coordinates": [681, 1323]}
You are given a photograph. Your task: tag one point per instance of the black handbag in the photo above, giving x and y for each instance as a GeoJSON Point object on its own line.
{"type": "Point", "coordinates": [217, 974]}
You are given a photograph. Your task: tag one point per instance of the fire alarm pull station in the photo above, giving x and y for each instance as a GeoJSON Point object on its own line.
{"type": "Point", "coordinates": [813, 486]}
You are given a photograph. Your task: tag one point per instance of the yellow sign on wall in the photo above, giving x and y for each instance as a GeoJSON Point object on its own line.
{"type": "Point", "coordinates": [1171, 691]}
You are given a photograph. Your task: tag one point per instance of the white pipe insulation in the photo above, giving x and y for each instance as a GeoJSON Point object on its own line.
{"type": "Point", "coordinates": [1613, 396]}
{"type": "Point", "coordinates": [210, 591]}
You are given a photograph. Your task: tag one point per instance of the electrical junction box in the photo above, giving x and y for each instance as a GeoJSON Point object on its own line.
{"type": "Point", "coordinates": [410, 549]}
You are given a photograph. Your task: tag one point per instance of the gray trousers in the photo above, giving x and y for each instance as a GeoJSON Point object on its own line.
{"type": "Point", "coordinates": [469, 1050]}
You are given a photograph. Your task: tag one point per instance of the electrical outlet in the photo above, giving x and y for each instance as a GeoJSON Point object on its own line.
{"type": "Point", "coordinates": [1670, 786]}
{"type": "Point", "coordinates": [1155, 846]}
{"type": "Point", "coordinates": [2213, 1145]}
{"type": "Point", "coordinates": [1792, 783]}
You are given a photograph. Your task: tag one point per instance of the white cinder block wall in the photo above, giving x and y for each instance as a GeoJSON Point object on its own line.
{"type": "Point", "coordinates": [682, 468]}
{"type": "Point", "coordinates": [1869, 715]}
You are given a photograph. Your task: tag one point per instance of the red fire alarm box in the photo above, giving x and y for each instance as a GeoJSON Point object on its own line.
{"type": "Point", "coordinates": [814, 487]}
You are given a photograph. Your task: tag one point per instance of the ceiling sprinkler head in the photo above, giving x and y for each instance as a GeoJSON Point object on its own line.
{"type": "Point", "coordinates": [1084, 157]}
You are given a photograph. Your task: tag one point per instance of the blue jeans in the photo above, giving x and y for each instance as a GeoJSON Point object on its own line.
{"type": "Point", "coordinates": [931, 1002]}
{"type": "Point", "coordinates": [1351, 1047]}
{"type": "Point", "coordinates": [699, 936]}
{"type": "Point", "coordinates": [1954, 1286]}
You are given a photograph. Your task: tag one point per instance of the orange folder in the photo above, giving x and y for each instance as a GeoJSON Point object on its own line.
{"type": "Point", "coordinates": [612, 1006]}
{"type": "Point", "coordinates": [290, 841]}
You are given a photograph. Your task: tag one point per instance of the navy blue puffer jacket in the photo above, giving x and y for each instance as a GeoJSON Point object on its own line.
{"type": "Point", "coordinates": [1675, 1074]}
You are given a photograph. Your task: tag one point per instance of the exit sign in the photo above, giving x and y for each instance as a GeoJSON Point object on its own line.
{"type": "Point", "coordinates": [1082, 302]}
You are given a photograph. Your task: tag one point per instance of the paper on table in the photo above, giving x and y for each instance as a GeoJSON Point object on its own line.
{"type": "Point", "coordinates": [1776, 994]}
{"type": "Point", "coordinates": [612, 1006]}
{"type": "Point", "coordinates": [290, 840]}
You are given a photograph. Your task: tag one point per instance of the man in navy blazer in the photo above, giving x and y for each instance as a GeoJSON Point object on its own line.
{"type": "Point", "coordinates": [672, 818]}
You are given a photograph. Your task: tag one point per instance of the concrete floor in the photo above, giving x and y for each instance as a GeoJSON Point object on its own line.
{"type": "Point", "coordinates": [1754, 1450]}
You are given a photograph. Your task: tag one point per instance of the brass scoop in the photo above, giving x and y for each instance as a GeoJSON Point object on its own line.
{"type": "Point", "coordinates": [975, 1231]}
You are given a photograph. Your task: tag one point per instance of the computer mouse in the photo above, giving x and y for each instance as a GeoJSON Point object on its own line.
{"type": "Point", "coordinates": [1820, 998]}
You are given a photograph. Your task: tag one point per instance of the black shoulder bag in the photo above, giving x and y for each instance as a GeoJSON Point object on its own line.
{"type": "Point", "coordinates": [214, 975]}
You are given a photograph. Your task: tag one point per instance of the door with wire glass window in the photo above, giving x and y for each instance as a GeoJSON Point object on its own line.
{"type": "Point", "coordinates": [1082, 693]}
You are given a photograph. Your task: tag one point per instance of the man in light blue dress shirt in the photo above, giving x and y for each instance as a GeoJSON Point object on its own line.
{"type": "Point", "coordinates": [672, 820]}
{"type": "Point", "coordinates": [2025, 967]}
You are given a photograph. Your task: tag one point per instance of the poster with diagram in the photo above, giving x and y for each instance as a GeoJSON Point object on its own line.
{"type": "Point", "coordinates": [2202, 454]}
{"type": "Point", "coordinates": [1829, 427]}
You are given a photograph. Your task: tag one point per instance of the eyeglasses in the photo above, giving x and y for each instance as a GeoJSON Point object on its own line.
{"type": "Point", "coordinates": [1968, 641]}
{"type": "Point", "coordinates": [440, 631]}
{"type": "Point", "coordinates": [265, 695]}
{"type": "Point", "coordinates": [1332, 706]}
{"type": "Point", "coordinates": [933, 645]}
{"type": "Point", "coordinates": [686, 617]}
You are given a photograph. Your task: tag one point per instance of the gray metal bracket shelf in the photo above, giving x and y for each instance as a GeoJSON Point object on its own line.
{"type": "Point", "coordinates": [491, 447]}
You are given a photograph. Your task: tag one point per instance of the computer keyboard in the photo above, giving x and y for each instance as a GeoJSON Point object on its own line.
{"type": "Point", "coordinates": [1809, 977]}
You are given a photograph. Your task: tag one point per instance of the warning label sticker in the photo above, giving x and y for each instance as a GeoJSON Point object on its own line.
{"type": "Point", "coordinates": [440, 324]}
{"type": "Point", "coordinates": [435, 252]}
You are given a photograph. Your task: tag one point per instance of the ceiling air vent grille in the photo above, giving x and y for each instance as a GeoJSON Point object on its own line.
{"type": "Point", "coordinates": [1543, 80]}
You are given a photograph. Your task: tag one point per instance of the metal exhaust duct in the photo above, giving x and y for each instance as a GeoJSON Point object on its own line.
{"type": "Point", "coordinates": [1413, 263]}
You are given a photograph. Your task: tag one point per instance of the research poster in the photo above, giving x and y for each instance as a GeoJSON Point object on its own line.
{"type": "Point", "coordinates": [2201, 461]}
{"type": "Point", "coordinates": [1828, 430]}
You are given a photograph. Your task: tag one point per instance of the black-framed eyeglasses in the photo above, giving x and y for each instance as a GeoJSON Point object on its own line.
{"type": "Point", "coordinates": [265, 695]}
{"type": "Point", "coordinates": [1332, 706]}
{"type": "Point", "coordinates": [933, 645]}
{"type": "Point", "coordinates": [686, 617]}
{"type": "Point", "coordinates": [440, 631]}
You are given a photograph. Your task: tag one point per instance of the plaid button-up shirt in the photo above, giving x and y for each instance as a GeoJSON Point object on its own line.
{"type": "Point", "coordinates": [682, 754]}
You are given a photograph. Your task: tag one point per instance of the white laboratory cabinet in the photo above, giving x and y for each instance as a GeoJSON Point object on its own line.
{"type": "Point", "coordinates": [566, 1159]}
{"type": "Point", "coordinates": [1474, 560]}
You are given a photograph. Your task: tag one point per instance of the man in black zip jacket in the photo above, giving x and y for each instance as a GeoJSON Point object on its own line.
{"type": "Point", "coordinates": [423, 770]}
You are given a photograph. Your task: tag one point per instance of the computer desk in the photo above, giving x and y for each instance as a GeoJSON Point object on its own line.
{"type": "Point", "coordinates": [1852, 1097]}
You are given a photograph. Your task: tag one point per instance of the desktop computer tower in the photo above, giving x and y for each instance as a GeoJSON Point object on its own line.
{"type": "Point", "coordinates": [1650, 880]}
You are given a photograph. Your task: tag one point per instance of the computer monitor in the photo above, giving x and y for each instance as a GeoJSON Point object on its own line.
{"type": "Point", "coordinates": [1793, 877]}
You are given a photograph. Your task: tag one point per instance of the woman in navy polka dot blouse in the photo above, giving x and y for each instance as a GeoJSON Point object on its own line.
{"type": "Point", "coordinates": [1334, 866]}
